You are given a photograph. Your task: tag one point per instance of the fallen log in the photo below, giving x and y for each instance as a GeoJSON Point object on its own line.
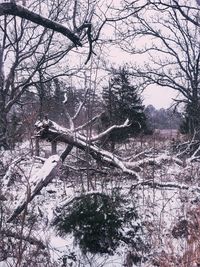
{"type": "Point", "coordinates": [51, 131]}
{"type": "Point", "coordinates": [48, 171]}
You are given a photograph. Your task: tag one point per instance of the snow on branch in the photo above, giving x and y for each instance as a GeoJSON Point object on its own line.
{"type": "Point", "coordinates": [12, 8]}
{"type": "Point", "coordinates": [29, 239]}
{"type": "Point", "coordinates": [166, 185]}
{"type": "Point", "coordinates": [51, 131]}
{"type": "Point", "coordinates": [45, 175]}
{"type": "Point", "coordinates": [109, 130]}
{"type": "Point", "coordinates": [155, 161]}
{"type": "Point", "coordinates": [11, 168]}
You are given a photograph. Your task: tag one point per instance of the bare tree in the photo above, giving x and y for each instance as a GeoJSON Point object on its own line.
{"type": "Point", "coordinates": [27, 50]}
{"type": "Point", "coordinates": [187, 11]}
{"type": "Point", "coordinates": [167, 33]}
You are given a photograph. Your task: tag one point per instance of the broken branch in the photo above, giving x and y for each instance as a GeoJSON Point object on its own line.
{"type": "Point", "coordinates": [22, 12]}
{"type": "Point", "coordinates": [44, 177]}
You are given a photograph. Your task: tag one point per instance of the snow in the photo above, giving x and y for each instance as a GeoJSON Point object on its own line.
{"type": "Point", "coordinates": [46, 169]}
{"type": "Point", "coordinates": [159, 208]}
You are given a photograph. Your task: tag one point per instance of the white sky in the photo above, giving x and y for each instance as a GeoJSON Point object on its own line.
{"type": "Point", "coordinates": [159, 97]}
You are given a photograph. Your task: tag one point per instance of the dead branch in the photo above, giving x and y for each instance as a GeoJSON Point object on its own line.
{"type": "Point", "coordinates": [29, 239]}
{"type": "Point", "coordinates": [48, 171]}
{"type": "Point", "coordinates": [109, 130]}
{"type": "Point", "coordinates": [51, 131]}
{"type": "Point", "coordinates": [155, 161]}
{"type": "Point", "coordinates": [22, 12]}
{"type": "Point", "coordinates": [12, 165]}
{"type": "Point", "coordinates": [169, 185]}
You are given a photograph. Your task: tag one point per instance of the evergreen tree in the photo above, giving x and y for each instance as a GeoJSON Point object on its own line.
{"type": "Point", "coordinates": [191, 121]}
{"type": "Point", "coordinates": [121, 101]}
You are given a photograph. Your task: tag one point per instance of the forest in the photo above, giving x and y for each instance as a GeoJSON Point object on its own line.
{"type": "Point", "coordinates": [90, 175]}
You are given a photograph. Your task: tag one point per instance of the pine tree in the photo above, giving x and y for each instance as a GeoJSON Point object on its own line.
{"type": "Point", "coordinates": [121, 101]}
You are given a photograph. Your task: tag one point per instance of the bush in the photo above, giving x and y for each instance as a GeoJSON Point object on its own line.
{"type": "Point", "coordinates": [95, 222]}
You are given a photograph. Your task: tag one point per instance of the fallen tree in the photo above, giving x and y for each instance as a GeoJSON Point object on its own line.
{"type": "Point", "coordinates": [51, 131]}
{"type": "Point", "coordinates": [43, 178]}
{"type": "Point", "coordinates": [73, 137]}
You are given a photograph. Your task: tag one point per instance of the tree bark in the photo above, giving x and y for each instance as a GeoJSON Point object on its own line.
{"type": "Point", "coordinates": [37, 147]}
{"type": "Point", "coordinates": [51, 131]}
{"type": "Point", "coordinates": [53, 147]}
{"type": "Point", "coordinates": [3, 129]}
{"type": "Point", "coordinates": [3, 115]}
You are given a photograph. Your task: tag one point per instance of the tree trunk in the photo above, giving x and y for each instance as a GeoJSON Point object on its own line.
{"type": "Point", "coordinates": [51, 131]}
{"type": "Point", "coordinates": [194, 117]}
{"type": "Point", "coordinates": [3, 128]}
{"type": "Point", "coordinates": [53, 147]}
{"type": "Point", "coordinates": [37, 147]}
{"type": "Point", "coordinates": [3, 114]}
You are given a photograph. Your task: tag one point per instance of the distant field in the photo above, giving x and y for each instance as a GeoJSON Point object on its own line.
{"type": "Point", "coordinates": [167, 133]}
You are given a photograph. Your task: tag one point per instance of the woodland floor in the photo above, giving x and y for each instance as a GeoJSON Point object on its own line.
{"type": "Point", "coordinates": [168, 219]}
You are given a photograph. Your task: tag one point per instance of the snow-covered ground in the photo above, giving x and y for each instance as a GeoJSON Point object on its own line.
{"type": "Point", "coordinates": [159, 209]}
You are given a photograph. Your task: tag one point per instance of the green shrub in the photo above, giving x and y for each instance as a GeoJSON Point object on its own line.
{"type": "Point", "coordinates": [95, 222]}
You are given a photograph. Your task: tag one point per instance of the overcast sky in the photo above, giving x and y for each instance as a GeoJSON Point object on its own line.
{"type": "Point", "coordinates": [159, 97]}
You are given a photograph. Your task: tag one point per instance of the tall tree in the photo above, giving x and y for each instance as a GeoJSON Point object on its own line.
{"type": "Point", "coordinates": [171, 34]}
{"type": "Point", "coordinates": [29, 51]}
{"type": "Point", "coordinates": [122, 101]}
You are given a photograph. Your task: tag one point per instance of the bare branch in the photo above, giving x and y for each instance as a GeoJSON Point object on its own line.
{"type": "Point", "coordinates": [109, 130]}
{"type": "Point", "coordinates": [30, 239]}
{"type": "Point", "coordinates": [170, 185]}
{"type": "Point", "coordinates": [22, 12]}
{"type": "Point", "coordinates": [81, 105]}
{"type": "Point", "coordinates": [88, 123]}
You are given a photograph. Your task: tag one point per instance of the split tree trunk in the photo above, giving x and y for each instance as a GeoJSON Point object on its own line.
{"type": "Point", "coordinates": [52, 132]}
